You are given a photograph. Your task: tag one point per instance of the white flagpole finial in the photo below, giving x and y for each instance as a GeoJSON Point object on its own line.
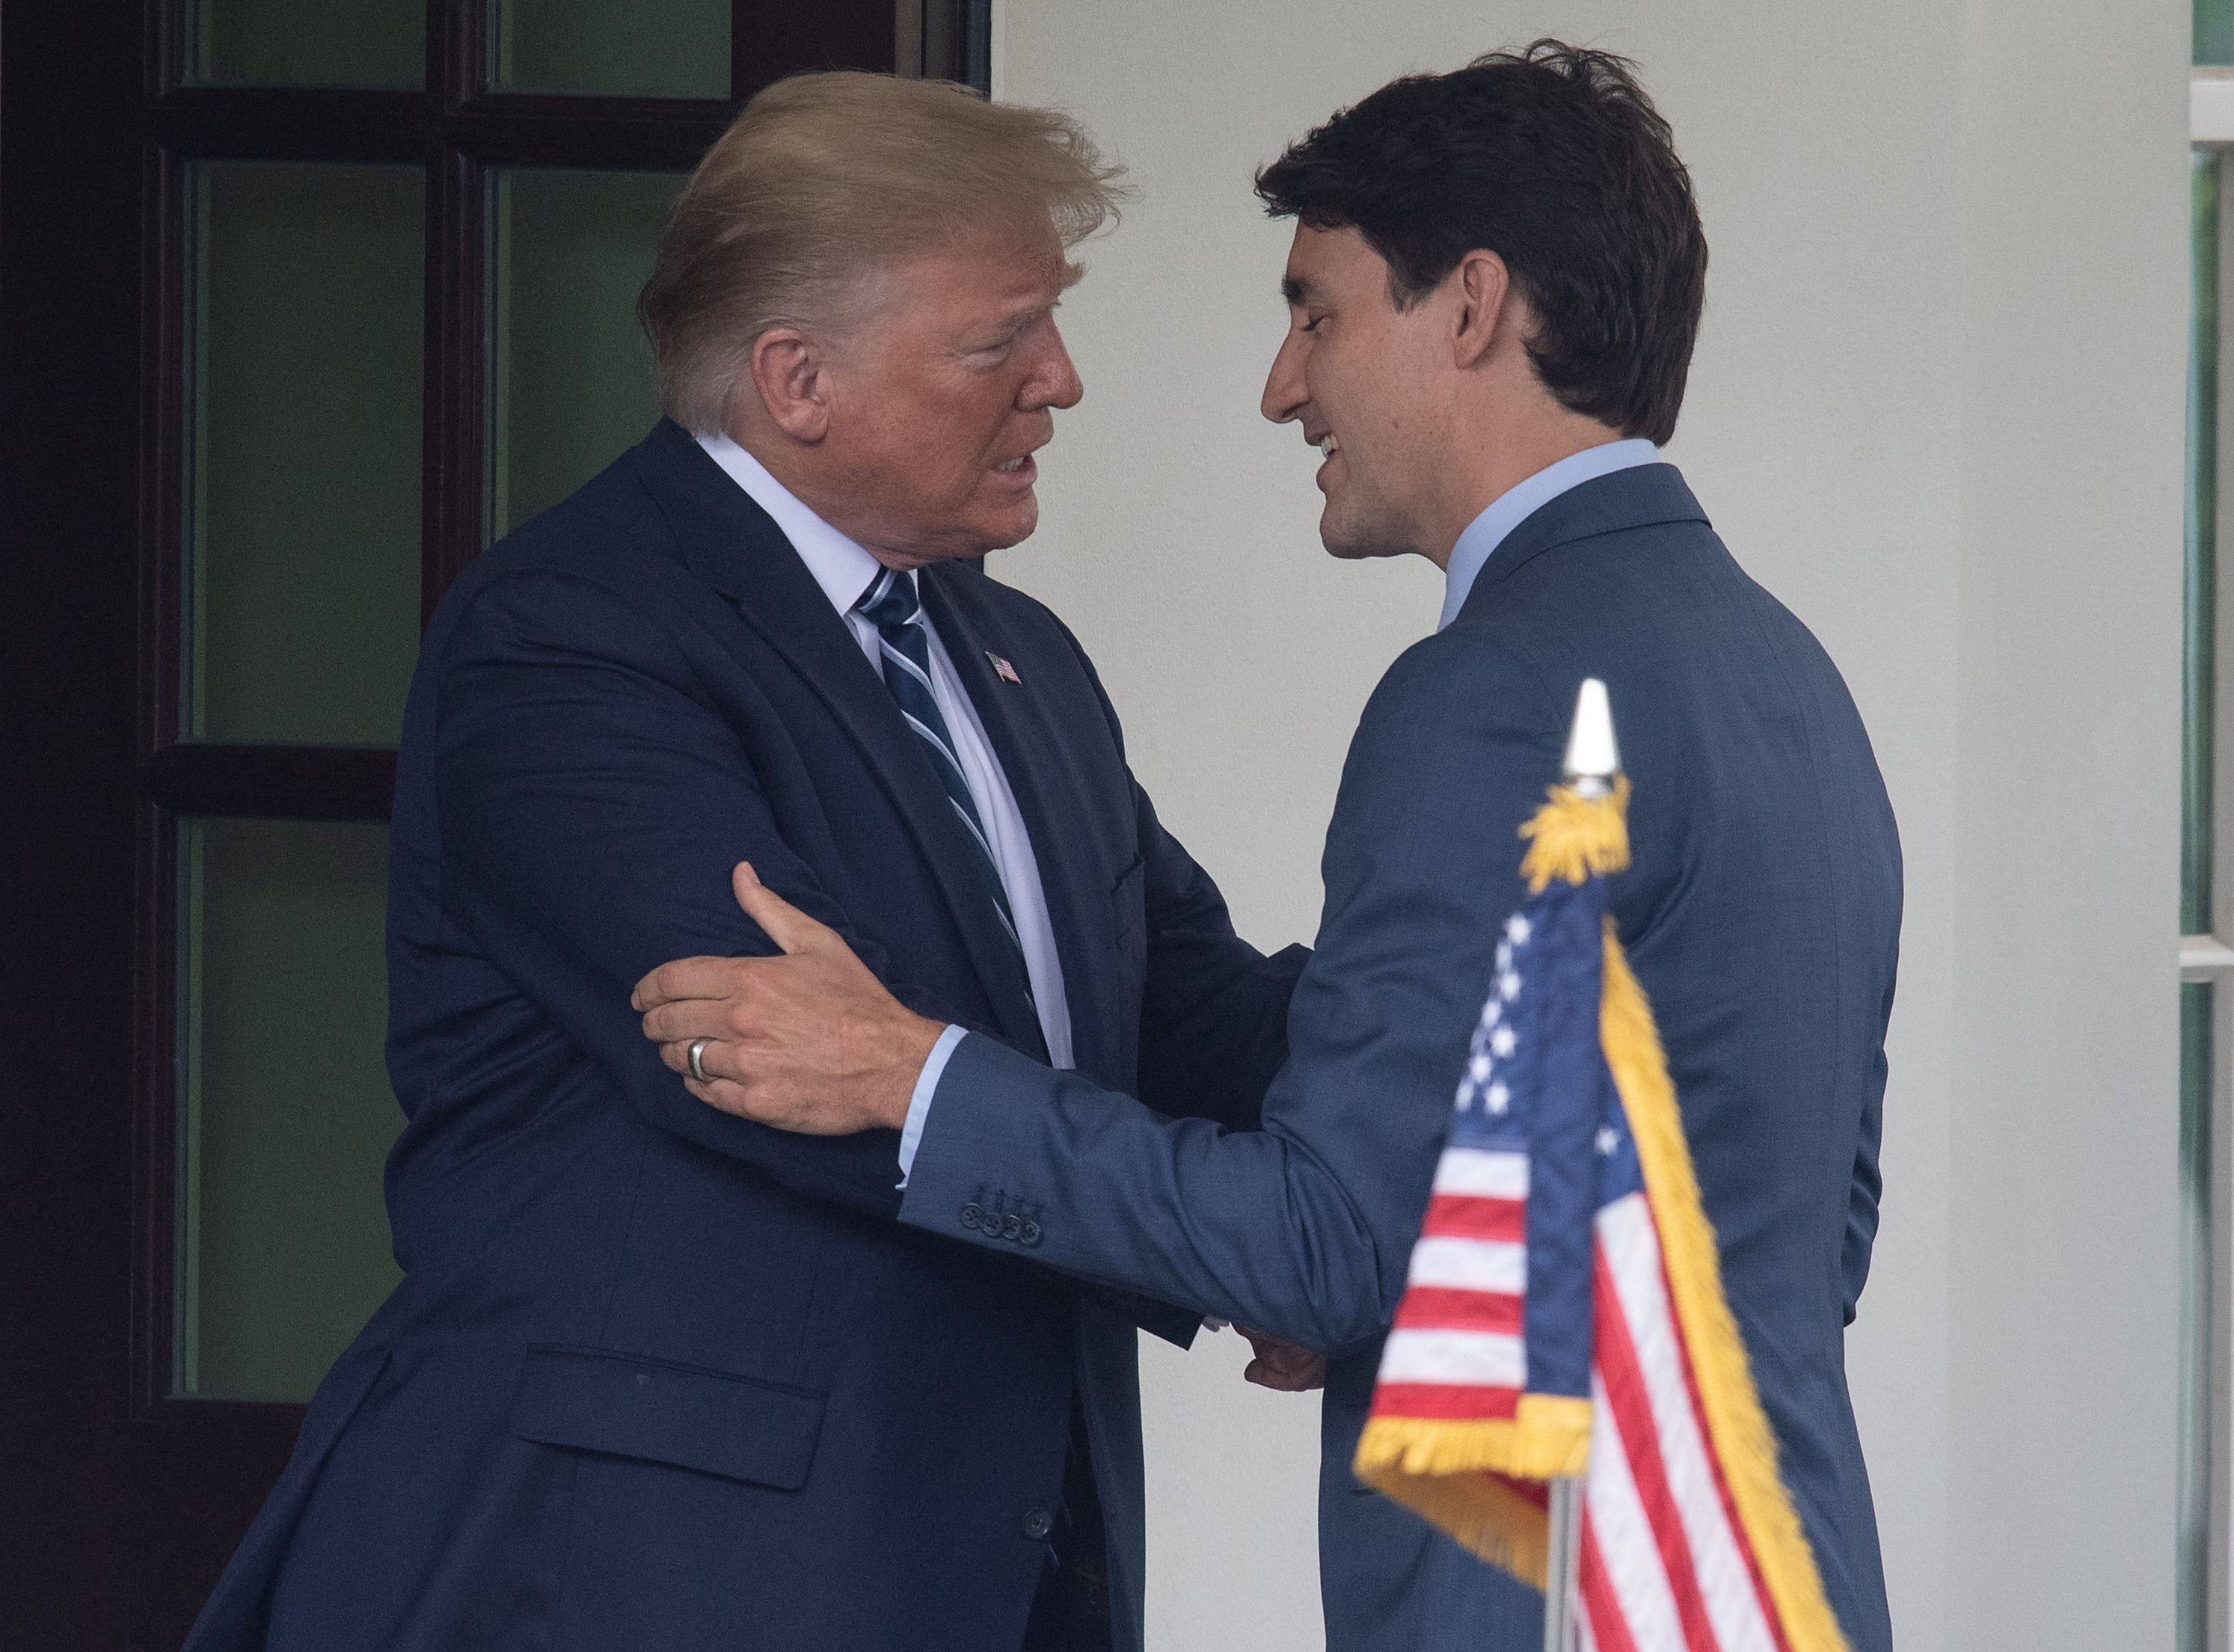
{"type": "Point", "coordinates": [1593, 758]}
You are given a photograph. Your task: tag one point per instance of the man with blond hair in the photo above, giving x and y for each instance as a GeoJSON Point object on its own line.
{"type": "Point", "coordinates": [657, 1377]}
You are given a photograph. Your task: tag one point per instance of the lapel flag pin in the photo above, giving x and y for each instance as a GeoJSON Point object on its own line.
{"type": "Point", "coordinates": [1003, 670]}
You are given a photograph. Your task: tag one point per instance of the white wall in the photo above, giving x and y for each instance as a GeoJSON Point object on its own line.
{"type": "Point", "coordinates": [1936, 409]}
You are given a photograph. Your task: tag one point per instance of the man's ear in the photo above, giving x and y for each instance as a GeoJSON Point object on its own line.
{"type": "Point", "coordinates": [793, 377]}
{"type": "Point", "coordinates": [1484, 285]}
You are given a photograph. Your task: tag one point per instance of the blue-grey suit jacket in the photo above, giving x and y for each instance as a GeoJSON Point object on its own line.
{"type": "Point", "coordinates": [1762, 916]}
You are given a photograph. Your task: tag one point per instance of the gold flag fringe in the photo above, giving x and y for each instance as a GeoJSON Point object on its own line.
{"type": "Point", "coordinates": [1444, 1470]}
{"type": "Point", "coordinates": [1485, 1515]}
{"type": "Point", "coordinates": [1549, 1435]}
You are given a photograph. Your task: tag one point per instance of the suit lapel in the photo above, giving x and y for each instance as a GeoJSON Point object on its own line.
{"type": "Point", "coordinates": [733, 545]}
{"type": "Point", "coordinates": [1040, 765]}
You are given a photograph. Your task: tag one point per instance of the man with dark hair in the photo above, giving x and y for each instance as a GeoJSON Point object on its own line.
{"type": "Point", "coordinates": [1493, 290]}
{"type": "Point", "coordinates": [1555, 159]}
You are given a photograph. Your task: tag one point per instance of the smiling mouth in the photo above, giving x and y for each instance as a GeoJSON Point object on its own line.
{"type": "Point", "coordinates": [1010, 466]}
{"type": "Point", "coordinates": [1328, 445]}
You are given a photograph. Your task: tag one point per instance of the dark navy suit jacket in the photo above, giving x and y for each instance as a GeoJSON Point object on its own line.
{"type": "Point", "coordinates": [657, 1377]}
{"type": "Point", "coordinates": [1761, 913]}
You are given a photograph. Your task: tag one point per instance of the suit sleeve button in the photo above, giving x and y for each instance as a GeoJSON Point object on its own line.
{"type": "Point", "coordinates": [1029, 1239]}
{"type": "Point", "coordinates": [1012, 1225]}
{"type": "Point", "coordinates": [972, 1214]}
{"type": "Point", "coordinates": [1037, 1524]}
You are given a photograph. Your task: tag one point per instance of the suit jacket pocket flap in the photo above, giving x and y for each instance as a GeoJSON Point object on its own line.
{"type": "Point", "coordinates": [741, 1429]}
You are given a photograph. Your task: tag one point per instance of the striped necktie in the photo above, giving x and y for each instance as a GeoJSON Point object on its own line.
{"type": "Point", "coordinates": [904, 650]}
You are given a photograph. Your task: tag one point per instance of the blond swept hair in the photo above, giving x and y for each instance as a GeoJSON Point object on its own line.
{"type": "Point", "coordinates": [824, 179]}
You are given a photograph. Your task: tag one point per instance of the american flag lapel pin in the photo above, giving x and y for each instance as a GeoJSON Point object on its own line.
{"type": "Point", "coordinates": [1003, 670]}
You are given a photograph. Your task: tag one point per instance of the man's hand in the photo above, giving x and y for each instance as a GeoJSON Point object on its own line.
{"type": "Point", "coordinates": [1282, 1365]}
{"type": "Point", "coordinates": [810, 1043]}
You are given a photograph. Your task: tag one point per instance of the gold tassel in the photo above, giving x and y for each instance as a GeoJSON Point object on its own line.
{"type": "Point", "coordinates": [1573, 836]}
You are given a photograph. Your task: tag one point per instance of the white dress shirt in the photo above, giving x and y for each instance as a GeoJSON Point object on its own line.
{"type": "Point", "coordinates": [1516, 504]}
{"type": "Point", "coordinates": [843, 571]}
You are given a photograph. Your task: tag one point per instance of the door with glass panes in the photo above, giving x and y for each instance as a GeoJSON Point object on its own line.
{"type": "Point", "coordinates": [328, 297]}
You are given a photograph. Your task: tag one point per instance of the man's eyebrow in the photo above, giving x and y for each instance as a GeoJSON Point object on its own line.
{"type": "Point", "coordinates": [1295, 288]}
{"type": "Point", "coordinates": [1016, 317]}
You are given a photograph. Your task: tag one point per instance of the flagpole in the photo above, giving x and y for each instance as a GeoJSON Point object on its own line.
{"type": "Point", "coordinates": [1592, 761]}
{"type": "Point", "coordinates": [1560, 1564]}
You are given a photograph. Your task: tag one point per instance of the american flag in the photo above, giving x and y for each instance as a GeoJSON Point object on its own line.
{"type": "Point", "coordinates": [1564, 1316]}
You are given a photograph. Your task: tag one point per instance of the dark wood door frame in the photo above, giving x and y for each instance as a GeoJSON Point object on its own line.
{"type": "Point", "coordinates": [120, 1502]}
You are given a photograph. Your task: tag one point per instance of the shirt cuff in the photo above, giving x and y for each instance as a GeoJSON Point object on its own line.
{"type": "Point", "coordinates": [926, 1083]}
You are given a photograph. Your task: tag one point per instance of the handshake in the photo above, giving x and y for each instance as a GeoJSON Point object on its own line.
{"type": "Point", "coordinates": [1283, 1366]}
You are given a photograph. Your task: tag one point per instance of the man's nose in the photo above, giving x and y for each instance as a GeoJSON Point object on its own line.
{"type": "Point", "coordinates": [1285, 392]}
{"type": "Point", "coordinates": [1054, 382]}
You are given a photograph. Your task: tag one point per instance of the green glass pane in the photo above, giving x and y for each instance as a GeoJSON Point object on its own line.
{"type": "Point", "coordinates": [2214, 32]}
{"type": "Point", "coordinates": [285, 42]}
{"type": "Point", "coordinates": [640, 48]}
{"type": "Point", "coordinates": [302, 596]}
{"type": "Point", "coordinates": [572, 381]}
{"type": "Point", "coordinates": [285, 1114]}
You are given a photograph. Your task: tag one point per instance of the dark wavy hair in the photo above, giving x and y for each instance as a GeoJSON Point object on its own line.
{"type": "Point", "coordinates": [1555, 159]}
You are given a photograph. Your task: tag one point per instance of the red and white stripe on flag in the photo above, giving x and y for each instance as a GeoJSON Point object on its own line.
{"type": "Point", "coordinates": [1455, 1350]}
{"type": "Point", "coordinates": [1665, 1565]}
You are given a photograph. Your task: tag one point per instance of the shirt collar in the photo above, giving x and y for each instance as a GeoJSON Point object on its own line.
{"type": "Point", "coordinates": [842, 568]}
{"type": "Point", "coordinates": [1510, 509]}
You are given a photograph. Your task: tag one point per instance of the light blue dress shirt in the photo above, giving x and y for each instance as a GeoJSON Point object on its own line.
{"type": "Point", "coordinates": [1468, 557]}
{"type": "Point", "coordinates": [1516, 504]}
